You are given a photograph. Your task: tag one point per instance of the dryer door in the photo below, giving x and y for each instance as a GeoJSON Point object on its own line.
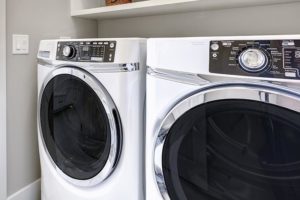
{"type": "Point", "coordinates": [238, 142]}
{"type": "Point", "coordinates": [79, 125]}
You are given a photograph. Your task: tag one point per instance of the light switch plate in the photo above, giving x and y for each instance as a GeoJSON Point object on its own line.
{"type": "Point", "coordinates": [20, 44]}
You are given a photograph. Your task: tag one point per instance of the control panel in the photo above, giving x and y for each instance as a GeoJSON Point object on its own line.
{"type": "Point", "coordinates": [260, 58]}
{"type": "Point", "coordinates": [86, 51]}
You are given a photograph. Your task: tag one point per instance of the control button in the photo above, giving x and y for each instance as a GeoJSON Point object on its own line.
{"type": "Point", "coordinates": [253, 60]}
{"type": "Point", "coordinates": [97, 59]}
{"type": "Point", "coordinates": [291, 74]}
{"type": "Point", "coordinates": [215, 47]}
{"type": "Point", "coordinates": [69, 51]}
{"type": "Point", "coordinates": [226, 44]}
{"type": "Point", "coordinates": [112, 45]}
{"type": "Point", "coordinates": [215, 55]}
{"type": "Point", "coordinates": [288, 43]}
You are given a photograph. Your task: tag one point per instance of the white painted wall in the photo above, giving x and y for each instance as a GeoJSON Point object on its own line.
{"type": "Point", "coordinates": [2, 100]}
{"type": "Point", "coordinates": [276, 19]}
{"type": "Point", "coordinates": [41, 19]}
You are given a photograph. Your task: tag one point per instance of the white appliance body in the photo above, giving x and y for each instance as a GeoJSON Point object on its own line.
{"type": "Point", "coordinates": [182, 79]}
{"type": "Point", "coordinates": [118, 85]}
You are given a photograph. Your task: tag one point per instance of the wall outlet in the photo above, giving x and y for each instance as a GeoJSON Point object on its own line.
{"type": "Point", "coordinates": [20, 44]}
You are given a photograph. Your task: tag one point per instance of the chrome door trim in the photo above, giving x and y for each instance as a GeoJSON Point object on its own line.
{"type": "Point", "coordinates": [181, 77]}
{"type": "Point", "coordinates": [94, 67]}
{"type": "Point", "coordinates": [110, 107]}
{"type": "Point", "coordinates": [266, 93]}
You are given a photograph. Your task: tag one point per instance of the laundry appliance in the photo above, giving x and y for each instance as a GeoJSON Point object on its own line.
{"type": "Point", "coordinates": [223, 118]}
{"type": "Point", "coordinates": [91, 96]}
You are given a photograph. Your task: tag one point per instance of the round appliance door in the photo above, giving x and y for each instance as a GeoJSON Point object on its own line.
{"type": "Point", "coordinates": [79, 126]}
{"type": "Point", "coordinates": [238, 142]}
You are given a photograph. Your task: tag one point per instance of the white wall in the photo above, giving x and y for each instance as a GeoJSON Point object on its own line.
{"type": "Point", "coordinates": [41, 19]}
{"type": "Point", "coordinates": [2, 100]}
{"type": "Point", "coordinates": [276, 19]}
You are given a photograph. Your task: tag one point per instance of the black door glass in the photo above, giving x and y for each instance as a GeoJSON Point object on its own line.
{"type": "Point", "coordinates": [234, 150]}
{"type": "Point", "coordinates": [75, 127]}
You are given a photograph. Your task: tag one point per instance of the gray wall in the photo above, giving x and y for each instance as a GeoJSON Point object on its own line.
{"type": "Point", "coordinates": [41, 19]}
{"type": "Point", "coordinates": [276, 19]}
{"type": "Point", "coordinates": [2, 101]}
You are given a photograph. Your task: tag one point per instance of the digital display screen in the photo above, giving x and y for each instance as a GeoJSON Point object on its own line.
{"type": "Point", "coordinates": [85, 53]}
{"type": "Point", "coordinates": [85, 48]}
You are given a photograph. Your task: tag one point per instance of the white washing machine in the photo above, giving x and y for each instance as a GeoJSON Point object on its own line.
{"type": "Point", "coordinates": [90, 118]}
{"type": "Point", "coordinates": [223, 118]}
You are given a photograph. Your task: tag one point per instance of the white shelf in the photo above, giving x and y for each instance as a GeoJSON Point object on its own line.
{"type": "Point", "coordinates": [160, 7]}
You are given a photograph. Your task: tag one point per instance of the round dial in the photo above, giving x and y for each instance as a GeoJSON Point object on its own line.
{"type": "Point", "coordinates": [69, 51]}
{"type": "Point", "coordinates": [253, 60]}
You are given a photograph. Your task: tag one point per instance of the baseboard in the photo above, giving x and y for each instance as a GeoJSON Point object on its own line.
{"type": "Point", "coordinates": [30, 192]}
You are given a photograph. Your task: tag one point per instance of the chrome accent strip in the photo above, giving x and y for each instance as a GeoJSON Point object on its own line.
{"type": "Point", "coordinates": [128, 67]}
{"type": "Point", "coordinates": [44, 62]}
{"type": "Point", "coordinates": [110, 107]}
{"type": "Point", "coordinates": [266, 93]}
{"type": "Point", "coordinates": [182, 77]}
{"type": "Point", "coordinates": [94, 67]}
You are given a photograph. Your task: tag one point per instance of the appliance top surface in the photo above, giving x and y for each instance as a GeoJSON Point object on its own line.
{"type": "Point", "coordinates": [270, 37]}
{"type": "Point", "coordinates": [99, 39]}
{"type": "Point", "coordinates": [269, 57]}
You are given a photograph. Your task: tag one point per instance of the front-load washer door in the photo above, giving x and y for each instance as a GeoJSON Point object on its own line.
{"type": "Point", "coordinates": [79, 125]}
{"type": "Point", "coordinates": [233, 143]}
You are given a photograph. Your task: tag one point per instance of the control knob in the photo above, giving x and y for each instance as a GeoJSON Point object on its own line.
{"type": "Point", "coordinates": [69, 51]}
{"type": "Point", "coordinates": [253, 60]}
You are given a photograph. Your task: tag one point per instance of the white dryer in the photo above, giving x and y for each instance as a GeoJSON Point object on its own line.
{"type": "Point", "coordinates": [223, 118]}
{"type": "Point", "coordinates": [90, 118]}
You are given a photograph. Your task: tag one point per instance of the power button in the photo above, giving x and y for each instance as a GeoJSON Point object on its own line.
{"type": "Point", "coordinates": [112, 45]}
{"type": "Point", "coordinates": [215, 47]}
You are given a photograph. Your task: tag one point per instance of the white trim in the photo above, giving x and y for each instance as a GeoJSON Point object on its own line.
{"type": "Point", "coordinates": [92, 9]}
{"type": "Point", "coordinates": [30, 192]}
{"type": "Point", "coordinates": [3, 179]}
